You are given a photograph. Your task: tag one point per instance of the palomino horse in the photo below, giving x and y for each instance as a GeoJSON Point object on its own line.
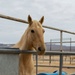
{"type": "Point", "coordinates": [31, 39]}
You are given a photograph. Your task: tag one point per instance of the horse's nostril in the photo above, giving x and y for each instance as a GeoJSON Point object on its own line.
{"type": "Point", "coordinates": [39, 48]}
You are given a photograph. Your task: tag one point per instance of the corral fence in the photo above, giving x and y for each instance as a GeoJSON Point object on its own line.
{"type": "Point", "coordinates": [53, 45]}
{"type": "Point", "coordinates": [9, 51]}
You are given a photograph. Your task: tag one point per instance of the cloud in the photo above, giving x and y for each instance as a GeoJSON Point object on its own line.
{"type": "Point", "coordinates": [58, 13]}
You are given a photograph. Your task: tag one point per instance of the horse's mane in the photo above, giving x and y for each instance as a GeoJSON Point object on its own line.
{"type": "Point", "coordinates": [21, 41]}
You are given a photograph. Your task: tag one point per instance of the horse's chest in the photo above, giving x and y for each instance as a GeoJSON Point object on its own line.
{"type": "Point", "coordinates": [26, 64]}
{"type": "Point", "coordinates": [26, 61]}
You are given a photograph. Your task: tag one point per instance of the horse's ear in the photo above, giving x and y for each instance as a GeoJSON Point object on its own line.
{"type": "Point", "coordinates": [29, 20]}
{"type": "Point", "coordinates": [41, 20]}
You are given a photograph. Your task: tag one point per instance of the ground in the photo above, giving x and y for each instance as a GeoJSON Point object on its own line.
{"type": "Point", "coordinates": [54, 62]}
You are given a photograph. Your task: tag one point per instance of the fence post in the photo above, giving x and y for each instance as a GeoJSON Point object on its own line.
{"type": "Point", "coordinates": [50, 50]}
{"type": "Point", "coordinates": [70, 50]}
{"type": "Point", "coordinates": [61, 56]}
{"type": "Point", "coordinates": [36, 63]}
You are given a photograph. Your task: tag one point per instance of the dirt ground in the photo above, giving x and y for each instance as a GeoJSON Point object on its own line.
{"type": "Point", "coordinates": [54, 62]}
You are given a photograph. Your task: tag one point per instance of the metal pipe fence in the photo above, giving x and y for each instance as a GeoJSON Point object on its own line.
{"type": "Point", "coordinates": [17, 51]}
{"type": "Point", "coordinates": [23, 21]}
{"type": "Point", "coordinates": [47, 53]}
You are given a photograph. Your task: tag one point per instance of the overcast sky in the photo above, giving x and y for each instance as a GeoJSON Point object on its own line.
{"type": "Point", "coordinates": [57, 13]}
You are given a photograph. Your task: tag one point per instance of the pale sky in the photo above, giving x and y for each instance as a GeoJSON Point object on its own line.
{"type": "Point", "coordinates": [57, 13]}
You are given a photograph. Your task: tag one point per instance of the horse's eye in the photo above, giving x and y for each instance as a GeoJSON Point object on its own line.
{"type": "Point", "coordinates": [43, 31]}
{"type": "Point", "coordinates": [32, 31]}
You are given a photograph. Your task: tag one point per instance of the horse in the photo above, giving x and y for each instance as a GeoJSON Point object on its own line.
{"type": "Point", "coordinates": [32, 39]}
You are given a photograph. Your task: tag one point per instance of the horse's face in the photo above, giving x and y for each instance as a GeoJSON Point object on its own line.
{"type": "Point", "coordinates": [36, 32]}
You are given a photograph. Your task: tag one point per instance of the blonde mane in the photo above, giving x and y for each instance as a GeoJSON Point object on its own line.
{"type": "Point", "coordinates": [31, 39]}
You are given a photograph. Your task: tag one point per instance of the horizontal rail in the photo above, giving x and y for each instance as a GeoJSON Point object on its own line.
{"type": "Point", "coordinates": [23, 21]}
{"type": "Point", "coordinates": [58, 29]}
{"type": "Point", "coordinates": [64, 42]}
{"type": "Point", "coordinates": [56, 66]}
{"type": "Point", "coordinates": [17, 51]}
{"type": "Point", "coordinates": [12, 18]}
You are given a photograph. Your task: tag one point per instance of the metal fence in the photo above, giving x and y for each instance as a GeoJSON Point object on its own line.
{"type": "Point", "coordinates": [61, 53]}
{"type": "Point", "coordinates": [17, 51]}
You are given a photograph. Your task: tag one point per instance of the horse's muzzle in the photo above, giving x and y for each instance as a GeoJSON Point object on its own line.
{"type": "Point", "coordinates": [41, 50]}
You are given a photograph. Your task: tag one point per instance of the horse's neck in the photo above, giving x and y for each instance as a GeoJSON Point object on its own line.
{"type": "Point", "coordinates": [26, 60]}
{"type": "Point", "coordinates": [26, 64]}
{"type": "Point", "coordinates": [24, 43]}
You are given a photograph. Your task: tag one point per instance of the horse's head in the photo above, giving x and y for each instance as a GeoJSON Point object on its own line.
{"type": "Point", "coordinates": [35, 33]}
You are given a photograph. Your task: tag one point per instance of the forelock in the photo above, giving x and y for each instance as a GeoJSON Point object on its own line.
{"type": "Point", "coordinates": [37, 23]}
